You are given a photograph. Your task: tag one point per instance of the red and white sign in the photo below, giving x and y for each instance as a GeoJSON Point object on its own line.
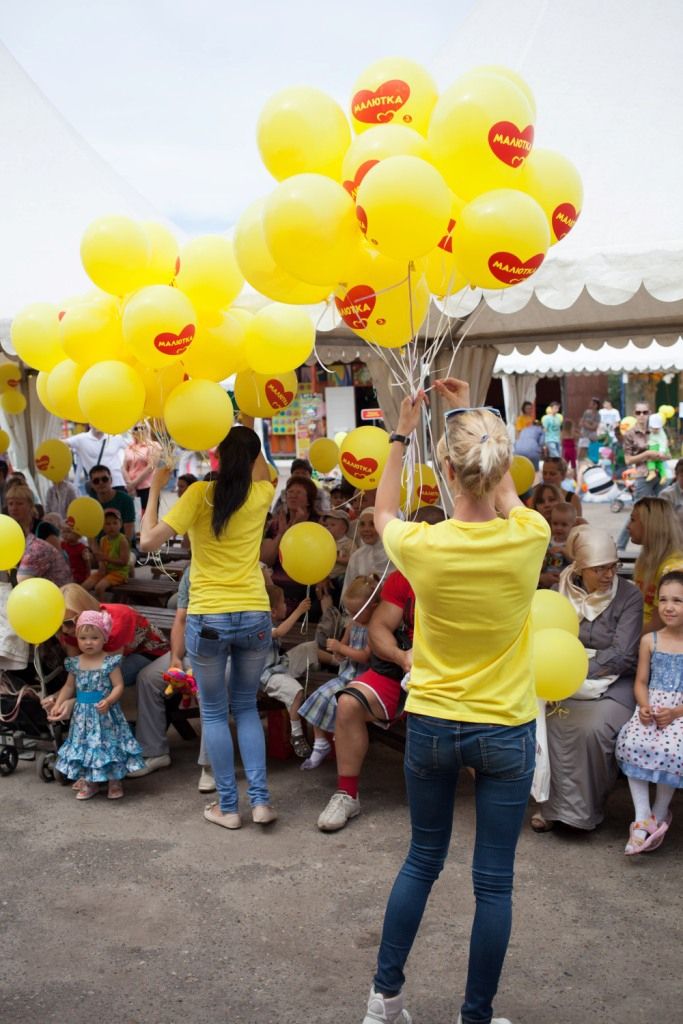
{"type": "Point", "coordinates": [371, 414]}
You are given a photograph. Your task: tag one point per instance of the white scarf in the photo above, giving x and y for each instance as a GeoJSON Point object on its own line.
{"type": "Point", "coordinates": [587, 606]}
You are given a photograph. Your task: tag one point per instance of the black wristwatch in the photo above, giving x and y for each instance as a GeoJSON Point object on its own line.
{"type": "Point", "coordinates": [399, 437]}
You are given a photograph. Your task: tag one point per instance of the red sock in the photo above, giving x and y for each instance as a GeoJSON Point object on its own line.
{"type": "Point", "coordinates": [348, 784]}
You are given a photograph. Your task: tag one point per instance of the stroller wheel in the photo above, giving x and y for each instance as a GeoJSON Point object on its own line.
{"type": "Point", "coordinates": [44, 767]}
{"type": "Point", "coordinates": [8, 760]}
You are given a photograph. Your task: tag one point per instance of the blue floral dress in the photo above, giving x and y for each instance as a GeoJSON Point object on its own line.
{"type": "Point", "coordinates": [99, 748]}
{"type": "Point", "coordinates": [644, 751]}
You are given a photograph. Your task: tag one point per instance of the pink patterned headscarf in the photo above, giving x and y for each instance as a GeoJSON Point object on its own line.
{"type": "Point", "coordinates": [100, 620]}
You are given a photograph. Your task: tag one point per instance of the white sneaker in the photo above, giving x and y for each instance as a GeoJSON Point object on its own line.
{"type": "Point", "coordinates": [494, 1020]}
{"type": "Point", "coordinates": [382, 1010]}
{"type": "Point", "coordinates": [207, 783]}
{"type": "Point", "coordinates": [338, 811]}
{"type": "Point", "coordinates": [152, 764]}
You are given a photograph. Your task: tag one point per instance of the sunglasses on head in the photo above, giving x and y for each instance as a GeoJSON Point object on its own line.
{"type": "Point", "coordinates": [69, 623]}
{"type": "Point", "coordinates": [450, 413]}
{"type": "Point", "coordinates": [100, 479]}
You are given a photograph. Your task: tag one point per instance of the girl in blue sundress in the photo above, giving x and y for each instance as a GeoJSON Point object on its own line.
{"type": "Point", "coordinates": [650, 745]}
{"type": "Point", "coordinates": [353, 653]}
{"type": "Point", "coordinates": [100, 746]}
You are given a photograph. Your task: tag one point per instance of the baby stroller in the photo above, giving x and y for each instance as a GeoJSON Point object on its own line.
{"type": "Point", "coordinates": [24, 726]}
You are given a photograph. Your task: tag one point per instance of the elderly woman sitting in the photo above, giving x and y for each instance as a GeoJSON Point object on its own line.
{"type": "Point", "coordinates": [582, 731]}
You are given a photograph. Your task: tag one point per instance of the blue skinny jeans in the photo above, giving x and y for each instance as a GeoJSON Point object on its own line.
{"type": "Point", "coordinates": [503, 758]}
{"type": "Point", "coordinates": [245, 639]}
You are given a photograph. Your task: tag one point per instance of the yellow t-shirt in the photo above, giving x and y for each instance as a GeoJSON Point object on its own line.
{"type": "Point", "coordinates": [225, 575]}
{"type": "Point", "coordinates": [473, 586]}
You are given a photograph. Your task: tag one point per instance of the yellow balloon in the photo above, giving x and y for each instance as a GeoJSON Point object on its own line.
{"type": "Point", "coordinates": [512, 76]}
{"type": "Point", "coordinates": [323, 454]}
{"type": "Point", "coordinates": [339, 438]}
{"type": "Point", "coordinates": [164, 254]}
{"type": "Point", "coordinates": [627, 423]}
{"type": "Point", "coordinates": [10, 375]}
{"type": "Point", "coordinates": [218, 349]}
{"type": "Point", "coordinates": [112, 396]}
{"type": "Point", "coordinates": [550, 610]}
{"type": "Point", "coordinates": [425, 489]}
{"type": "Point", "coordinates": [261, 270]}
{"type": "Point", "coordinates": [441, 273]}
{"type": "Point", "coordinates": [363, 455]}
{"type": "Point", "coordinates": [115, 254]}
{"type": "Point", "coordinates": [86, 516]}
{"type": "Point", "coordinates": [502, 239]}
{"type": "Point", "coordinates": [91, 330]}
{"type": "Point", "coordinates": [158, 386]}
{"type": "Point", "coordinates": [308, 552]}
{"type": "Point", "coordinates": [302, 129]}
{"type": "Point", "coordinates": [667, 412]}
{"type": "Point", "coordinates": [383, 301]}
{"type": "Point", "coordinates": [41, 389]}
{"type": "Point", "coordinates": [310, 228]}
{"type": "Point", "coordinates": [377, 144]}
{"type": "Point", "coordinates": [265, 394]}
{"type": "Point", "coordinates": [13, 402]}
{"type": "Point", "coordinates": [53, 459]}
{"type": "Point", "coordinates": [560, 663]}
{"type": "Point", "coordinates": [35, 610]}
{"type": "Point", "coordinates": [522, 472]}
{"type": "Point", "coordinates": [393, 90]}
{"type": "Point", "coordinates": [35, 336]}
{"type": "Point", "coordinates": [402, 206]}
{"type": "Point", "coordinates": [12, 543]}
{"type": "Point", "coordinates": [159, 325]}
{"type": "Point", "coordinates": [480, 134]}
{"type": "Point", "coordinates": [209, 274]}
{"type": "Point", "coordinates": [198, 414]}
{"type": "Point", "coordinates": [553, 181]}
{"type": "Point", "coordinates": [279, 338]}
{"type": "Point", "coordinates": [62, 391]}
{"type": "Point", "coordinates": [4, 441]}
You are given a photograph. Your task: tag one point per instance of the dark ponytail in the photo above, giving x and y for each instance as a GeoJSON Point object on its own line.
{"type": "Point", "coordinates": [237, 453]}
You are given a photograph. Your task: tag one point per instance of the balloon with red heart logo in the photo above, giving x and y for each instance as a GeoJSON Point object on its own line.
{"type": "Point", "coordinates": [263, 394]}
{"type": "Point", "coordinates": [503, 237]}
{"type": "Point", "coordinates": [393, 91]}
{"type": "Point", "coordinates": [159, 324]}
{"type": "Point", "coordinates": [362, 456]}
{"type": "Point", "coordinates": [377, 144]}
{"type": "Point", "coordinates": [53, 459]}
{"type": "Point", "coordinates": [553, 181]}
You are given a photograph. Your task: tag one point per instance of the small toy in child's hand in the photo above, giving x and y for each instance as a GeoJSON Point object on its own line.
{"type": "Point", "coordinates": [183, 683]}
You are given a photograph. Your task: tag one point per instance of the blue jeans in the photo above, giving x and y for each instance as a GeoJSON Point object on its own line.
{"type": "Point", "coordinates": [245, 638]}
{"type": "Point", "coordinates": [131, 665]}
{"type": "Point", "coordinates": [503, 758]}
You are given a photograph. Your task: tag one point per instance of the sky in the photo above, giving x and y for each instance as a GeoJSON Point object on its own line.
{"type": "Point", "coordinates": [169, 91]}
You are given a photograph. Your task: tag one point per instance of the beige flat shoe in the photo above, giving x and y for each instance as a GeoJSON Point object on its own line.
{"type": "Point", "coordinates": [229, 819]}
{"type": "Point", "coordinates": [263, 814]}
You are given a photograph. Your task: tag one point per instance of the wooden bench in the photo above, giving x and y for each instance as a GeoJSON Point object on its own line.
{"type": "Point", "coordinates": [173, 569]}
{"type": "Point", "coordinates": [145, 591]}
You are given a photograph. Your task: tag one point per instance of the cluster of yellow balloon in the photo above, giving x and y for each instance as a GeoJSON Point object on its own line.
{"type": "Point", "coordinates": [12, 399]}
{"type": "Point", "coordinates": [560, 660]}
{"type": "Point", "coordinates": [432, 194]}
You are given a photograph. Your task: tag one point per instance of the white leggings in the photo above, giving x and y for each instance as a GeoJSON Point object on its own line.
{"type": "Point", "coordinates": [640, 793]}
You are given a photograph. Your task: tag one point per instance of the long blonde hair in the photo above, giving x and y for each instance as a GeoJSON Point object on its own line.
{"type": "Point", "coordinates": [477, 446]}
{"type": "Point", "coordinates": [662, 537]}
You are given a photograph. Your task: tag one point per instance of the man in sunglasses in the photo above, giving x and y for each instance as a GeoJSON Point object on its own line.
{"type": "Point", "coordinates": [93, 448]}
{"type": "Point", "coordinates": [101, 483]}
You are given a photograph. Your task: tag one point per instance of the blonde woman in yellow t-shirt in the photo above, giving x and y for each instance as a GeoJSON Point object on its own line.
{"type": "Point", "coordinates": [229, 611]}
{"type": "Point", "coordinates": [471, 700]}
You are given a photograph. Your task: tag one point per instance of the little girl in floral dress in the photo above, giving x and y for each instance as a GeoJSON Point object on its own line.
{"type": "Point", "coordinates": [100, 746]}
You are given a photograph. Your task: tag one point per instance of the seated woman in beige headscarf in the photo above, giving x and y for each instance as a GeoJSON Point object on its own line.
{"type": "Point", "coordinates": [582, 731]}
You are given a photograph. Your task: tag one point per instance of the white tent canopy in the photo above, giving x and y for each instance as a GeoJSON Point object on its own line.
{"type": "Point", "coordinates": [607, 359]}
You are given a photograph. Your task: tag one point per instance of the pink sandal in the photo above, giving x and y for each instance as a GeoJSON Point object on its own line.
{"type": "Point", "coordinates": [88, 790]}
{"type": "Point", "coordinates": [115, 790]}
{"type": "Point", "coordinates": [657, 837]}
{"type": "Point", "coordinates": [653, 839]}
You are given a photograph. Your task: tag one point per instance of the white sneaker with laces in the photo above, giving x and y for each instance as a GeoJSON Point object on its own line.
{"type": "Point", "coordinates": [338, 811]}
{"type": "Point", "coordinates": [152, 764]}
{"type": "Point", "coordinates": [385, 1010]}
{"type": "Point", "coordinates": [207, 783]}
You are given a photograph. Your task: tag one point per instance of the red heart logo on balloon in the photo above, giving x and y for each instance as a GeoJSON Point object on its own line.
{"type": "Point", "coordinates": [446, 242]}
{"type": "Point", "coordinates": [428, 493]}
{"type": "Point", "coordinates": [170, 344]}
{"type": "Point", "coordinates": [509, 269]}
{"type": "Point", "coordinates": [42, 462]}
{"type": "Point", "coordinates": [358, 468]}
{"type": "Point", "coordinates": [362, 219]}
{"type": "Point", "coordinates": [276, 395]}
{"type": "Point", "coordinates": [352, 186]}
{"type": "Point", "coordinates": [379, 106]}
{"type": "Point", "coordinates": [564, 218]}
{"type": "Point", "coordinates": [13, 383]}
{"type": "Point", "coordinates": [509, 143]}
{"type": "Point", "coordinates": [356, 307]}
